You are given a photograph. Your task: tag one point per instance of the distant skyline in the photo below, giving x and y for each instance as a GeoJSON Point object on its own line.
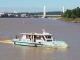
{"type": "Point", "coordinates": [37, 5]}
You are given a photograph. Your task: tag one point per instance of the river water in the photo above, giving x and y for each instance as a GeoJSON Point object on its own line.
{"type": "Point", "coordinates": [65, 31]}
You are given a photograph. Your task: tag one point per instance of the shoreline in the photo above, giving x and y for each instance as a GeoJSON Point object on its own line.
{"type": "Point", "coordinates": [76, 20]}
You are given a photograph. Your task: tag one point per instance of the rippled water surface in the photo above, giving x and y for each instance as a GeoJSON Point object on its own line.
{"type": "Point", "coordinates": [65, 31]}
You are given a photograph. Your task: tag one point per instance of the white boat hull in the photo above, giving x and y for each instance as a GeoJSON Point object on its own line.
{"type": "Point", "coordinates": [56, 44]}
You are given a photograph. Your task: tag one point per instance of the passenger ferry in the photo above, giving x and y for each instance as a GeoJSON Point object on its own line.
{"type": "Point", "coordinates": [38, 39]}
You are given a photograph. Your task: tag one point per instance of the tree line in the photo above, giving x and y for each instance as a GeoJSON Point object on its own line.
{"type": "Point", "coordinates": [75, 13]}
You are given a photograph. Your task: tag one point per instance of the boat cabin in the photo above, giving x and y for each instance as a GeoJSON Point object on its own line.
{"type": "Point", "coordinates": [36, 37]}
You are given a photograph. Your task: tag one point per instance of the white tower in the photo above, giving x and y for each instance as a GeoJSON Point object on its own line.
{"type": "Point", "coordinates": [44, 13]}
{"type": "Point", "coordinates": [63, 9]}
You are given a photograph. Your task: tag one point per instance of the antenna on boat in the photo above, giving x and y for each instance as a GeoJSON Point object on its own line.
{"type": "Point", "coordinates": [43, 31]}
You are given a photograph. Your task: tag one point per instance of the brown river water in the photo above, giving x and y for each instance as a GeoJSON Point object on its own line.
{"type": "Point", "coordinates": [65, 31]}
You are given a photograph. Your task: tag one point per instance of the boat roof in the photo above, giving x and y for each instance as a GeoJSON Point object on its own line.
{"type": "Point", "coordinates": [35, 33]}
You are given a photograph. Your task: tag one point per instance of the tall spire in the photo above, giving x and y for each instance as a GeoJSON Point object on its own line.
{"type": "Point", "coordinates": [44, 11]}
{"type": "Point", "coordinates": [63, 9]}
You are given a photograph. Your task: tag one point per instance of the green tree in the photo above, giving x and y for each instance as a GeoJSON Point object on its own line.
{"type": "Point", "coordinates": [75, 13]}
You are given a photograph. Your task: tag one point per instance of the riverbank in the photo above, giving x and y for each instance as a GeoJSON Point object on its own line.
{"type": "Point", "coordinates": [76, 20]}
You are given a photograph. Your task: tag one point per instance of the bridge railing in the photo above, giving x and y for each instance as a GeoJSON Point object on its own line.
{"type": "Point", "coordinates": [49, 15]}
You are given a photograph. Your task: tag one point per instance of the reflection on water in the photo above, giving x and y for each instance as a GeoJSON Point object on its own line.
{"type": "Point", "coordinates": [40, 53]}
{"type": "Point", "coordinates": [65, 31]}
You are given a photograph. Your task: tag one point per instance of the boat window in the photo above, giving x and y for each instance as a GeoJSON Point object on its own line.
{"type": "Point", "coordinates": [49, 40]}
{"type": "Point", "coordinates": [27, 36]}
{"type": "Point", "coordinates": [48, 36]}
{"type": "Point", "coordinates": [39, 37]}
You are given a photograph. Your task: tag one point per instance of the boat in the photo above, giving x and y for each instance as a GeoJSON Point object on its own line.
{"type": "Point", "coordinates": [38, 39]}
